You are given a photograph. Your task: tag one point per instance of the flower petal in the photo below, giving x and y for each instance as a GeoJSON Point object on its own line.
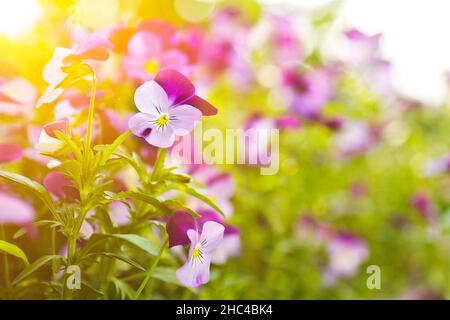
{"type": "Point", "coordinates": [150, 98]}
{"type": "Point", "coordinates": [194, 272]}
{"type": "Point", "coordinates": [162, 138]}
{"type": "Point", "coordinates": [204, 106]}
{"type": "Point", "coordinates": [52, 73]}
{"type": "Point", "coordinates": [141, 124]}
{"type": "Point", "coordinates": [212, 235]}
{"type": "Point", "coordinates": [177, 86]}
{"type": "Point", "coordinates": [183, 119]}
{"type": "Point", "coordinates": [10, 152]}
{"type": "Point", "coordinates": [177, 226]}
{"type": "Point", "coordinates": [14, 210]}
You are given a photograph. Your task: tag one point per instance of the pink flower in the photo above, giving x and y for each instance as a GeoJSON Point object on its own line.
{"type": "Point", "coordinates": [195, 271]}
{"type": "Point", "coordinates": [309, 91]}
{"type": "Point", "coordinates": [356, 138]}
{"type": "Point", "coordinates": [14, 210]}
{"type": "Point", "coordinates": [48, 142]}
{"type": "Point", "coordinates": [17, 98]}
{"type": "Point", "coordinates": [10, 152]}
{"type": "Point", "coordinates": [346, 253]}
{"type": "Point", "coordinates": [62, 188]}
{"type": "Point", "coordinates": [169, 108]}
{"type": "Point", "coordinates": [147, 54]}
{"type": "Point", "coordinates": [94, 47]}
{"type": "Point", "coordinates": [425, 206]}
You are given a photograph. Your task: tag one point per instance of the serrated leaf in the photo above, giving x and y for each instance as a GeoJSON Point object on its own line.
{"type": "Point", "coordinates": [39, 263]}
{"type": "Point", "coordinates": [13, 250]}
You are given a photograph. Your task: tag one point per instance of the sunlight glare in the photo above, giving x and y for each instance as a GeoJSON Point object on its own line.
{"type": "Point", "coordinates": [18, 16]}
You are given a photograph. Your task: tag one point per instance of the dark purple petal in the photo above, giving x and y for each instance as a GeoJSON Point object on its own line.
{"type": "Point", "coordinates": [204, 106]}
{"type": "Point", "coordinates": [177, 226]}
{"type": "Point", "coordinates": [178, 88]}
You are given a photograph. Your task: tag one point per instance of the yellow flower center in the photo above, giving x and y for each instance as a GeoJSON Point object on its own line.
{"type": "Point", "coordinates": [196, 253]}
{"type": "Point", "coordinates": [162, 120]}
{"type": "Point", "coordinates": [151, 66]}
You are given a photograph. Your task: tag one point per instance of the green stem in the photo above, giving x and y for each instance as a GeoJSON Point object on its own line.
{"type": "Point", "coordinates": [159, 164]}
{"type": "Point", "coordinates": [6, 262]}
{"type": "Point", "coordinates": [54, 253]}
{"type": "Point", "coordinates": [150, 271]}
{"type": "Point", "coordinates": [91, 107]}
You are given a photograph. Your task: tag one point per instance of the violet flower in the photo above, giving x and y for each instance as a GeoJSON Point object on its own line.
{"type": "Point", "coordinates": [14, 210]}
{"type": "Point", "coordinates": [168, 108]}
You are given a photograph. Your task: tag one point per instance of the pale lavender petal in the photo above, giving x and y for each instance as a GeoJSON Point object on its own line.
{"type": "Point", "coordinates": [183, 119]}
{"type": "Point", "coordinates": [141, 124]}
{"type": "Point", "coordinates": [194, 272]}
{"type": "Point", "coordinates": [229, 247]}
{"type": "Point", "coordinates": [162, 138]}
{"type": "Point", "coordinates": [150, 98]}
{"type": "Point", "coordinates": [212, 235]}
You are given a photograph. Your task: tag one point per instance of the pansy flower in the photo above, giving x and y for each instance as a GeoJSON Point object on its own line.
{"type": "Point", "coordinates": [195, 271]}
{"type": "Point", "coordinates": [178, 227]}
{"type": "Point", "coordinates": [95, 47]}
{"type": "Point", "coordinates": [168, 108]}
{"type": "Point", "coordinates": [48, 141]}
{"type": "Point", "coordinates": [59, 186]}
{"type": "Point", "coordinates": [148, 52]}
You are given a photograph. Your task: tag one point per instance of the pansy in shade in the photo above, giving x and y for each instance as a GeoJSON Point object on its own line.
{"type": "Point", "coordinates": [168, 108]}
{"type": "Point", "coordinates": [94, 47]}
{"type": "Point", "coordinates": [14, 210]}
{"type": "Point", "coordinates": [180, 222]}
{"type": "Point", "coordinates": [195, 271]}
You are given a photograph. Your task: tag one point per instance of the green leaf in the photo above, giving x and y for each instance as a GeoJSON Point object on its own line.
{"type": "Point", "coordinates": [140, 242]}
{"type": "Point", "coordinates": [120, 257]}
{"type": "Point", "coordinates": [39, 263]}
{"type": "Point", "coordinates": [145, 198]}
{"type": "Point", "coordinates": [178, 206]}
{"type": "Point", "coordinates": [198, 195]}
{"type": "Point", "coordinates": [112, 147]}
{"type": "Point", "coordinates": [13, 250]}
{"type": "Point", "coordinates": [37, 188]}
{"type": "Point", "coordinates": [165, 274]}
{"type": "Point", "coordinates": [123, 289]}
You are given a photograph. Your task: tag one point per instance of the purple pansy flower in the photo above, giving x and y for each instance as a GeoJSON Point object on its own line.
{"type": "Point", "coordinates": [181, 223]}
{"type": "Point", "coordinates": [168, 108]}
{"type": "Point", "coordinates": [195, 271]}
